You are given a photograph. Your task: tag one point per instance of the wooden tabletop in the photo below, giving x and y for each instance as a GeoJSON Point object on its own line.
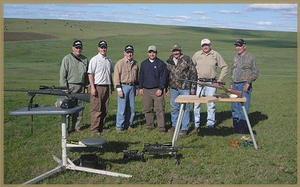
{"type": "Point", "coordinates": [196, 99]}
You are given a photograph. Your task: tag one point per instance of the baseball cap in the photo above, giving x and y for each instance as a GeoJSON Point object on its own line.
{"type": "Point", "coordinates": [205, 41]}
{"type": "Point", "coordinates": [77, 43]}
{"type": "Point", "coordinates": [152, 48]}
{"type": "Point", "coordinates": [128, 48]}
{"type": "Point", "coordinates": [102, 43]}
{"type": "Point", "coordinates": [239, 42]}
{"type": "Point", "coordinates": [176, 47]}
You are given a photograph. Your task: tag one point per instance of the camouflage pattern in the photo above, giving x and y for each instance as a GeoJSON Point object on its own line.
{"type": "Point", "coordinates": [244, 69]}
{"type": "Point", "coordinates": [184, 69]}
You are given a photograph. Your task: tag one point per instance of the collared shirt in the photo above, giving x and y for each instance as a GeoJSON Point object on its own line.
{"type": "Point", "coordinates": [101, 68]}
{"type": "Point", "coordinates": [183, 69]}
{"type": "Point", "coordinates": [126, 72]}
{"type": "Point", "coordinates": [244, 69]}
{"type": "Point", "coordinates": [206, 64]}
{"type": "Point", "coordinates": [74, 71]}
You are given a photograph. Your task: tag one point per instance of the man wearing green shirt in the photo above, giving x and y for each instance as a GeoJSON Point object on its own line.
{"type": "Point", "coordinates": [73, 75]}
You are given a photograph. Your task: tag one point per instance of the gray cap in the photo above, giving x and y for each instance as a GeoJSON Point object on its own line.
{"type": "Point", "coordinates": [152, 48]}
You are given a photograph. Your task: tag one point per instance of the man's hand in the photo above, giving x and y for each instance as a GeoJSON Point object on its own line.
{"type": "Point", "coordinates": [120, 94]}
{"type": "Point", "coordinates": [93, 91]}
{"type": "Point", "coordinates": [158, 93]}
{"type": "Point", "coordinates": [168, 93]}
{"type": "Point", "coordinates": [142, 92]}
{"type": "Point", "coordinates": [246, 87]}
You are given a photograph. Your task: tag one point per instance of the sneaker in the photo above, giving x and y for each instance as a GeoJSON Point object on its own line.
{"type": "Point", "coordinates": [183, 133]}
{"type": "Point", "coordinates": [172, 129]}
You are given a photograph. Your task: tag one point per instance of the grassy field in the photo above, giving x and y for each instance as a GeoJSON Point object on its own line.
{"type": "Point", "coordinates": [33, 60]}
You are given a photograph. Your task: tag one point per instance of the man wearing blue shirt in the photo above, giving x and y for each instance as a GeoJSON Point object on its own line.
{"type": "Point", "coordinates": [152, 81]}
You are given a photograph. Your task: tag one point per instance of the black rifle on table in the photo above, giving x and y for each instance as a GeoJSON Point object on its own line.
{"type": "Point", "coordinates": [155, 149]}
{"type": "Point", "coordinates": [216, 85]}
{"type": "Point", "coordinates": [59, 91]}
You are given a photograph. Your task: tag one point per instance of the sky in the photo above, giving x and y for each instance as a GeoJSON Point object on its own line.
{"type": "Point", "coordinates": [272, 17]}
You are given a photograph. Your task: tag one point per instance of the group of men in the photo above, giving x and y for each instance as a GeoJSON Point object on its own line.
{"type": "Point", "coordinates": [151, 80]}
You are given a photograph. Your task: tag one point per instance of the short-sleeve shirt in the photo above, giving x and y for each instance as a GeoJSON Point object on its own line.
{"type": "Point", "coordinates": [101, 68]}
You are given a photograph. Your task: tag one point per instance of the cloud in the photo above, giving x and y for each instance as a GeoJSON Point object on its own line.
{"type": "Point", "coordinates": [272, 7]}
{"type": "Point", "coordinates": [230, 12]}
{"type": "Point", "coordinates": [265, 23]}
{"type": "Point", "coordinates": [198, 12]}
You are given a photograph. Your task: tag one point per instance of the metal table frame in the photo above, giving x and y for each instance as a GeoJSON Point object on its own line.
{"type": "Point", "coordinates": [65, 162]}
{"type": "Point", "coordinates": [183, 99]}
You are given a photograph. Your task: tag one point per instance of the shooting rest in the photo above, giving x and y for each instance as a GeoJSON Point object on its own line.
{"type": "Point", "coordinates": [183, 99]}
{"type": "Point", "coordinates": [65, 162]}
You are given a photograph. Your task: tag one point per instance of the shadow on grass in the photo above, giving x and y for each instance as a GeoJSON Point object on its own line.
{"type": "Point", "coordinates": [254, 118]}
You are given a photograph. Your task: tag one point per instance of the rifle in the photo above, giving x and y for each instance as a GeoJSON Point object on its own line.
{"type": "Point", "coordinates": [155, 149]}
{"type": "Point", "coordinates": [218, 86]}
{"type": "Point", "coordinates": [53, 90]}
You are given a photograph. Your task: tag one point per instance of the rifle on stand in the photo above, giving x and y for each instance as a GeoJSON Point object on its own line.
{"type": "Point", "coordinates": [216, 85]}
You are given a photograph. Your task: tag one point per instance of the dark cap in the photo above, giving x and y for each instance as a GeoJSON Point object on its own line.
{"type": "Point", "coordinates": [129, 48]}
{"type": "Point", "coordinates": [102, 43]}
{"type": "Point", "coordinates": [77, 43]}
{"type": "Point", "coordinates": [239, 42]}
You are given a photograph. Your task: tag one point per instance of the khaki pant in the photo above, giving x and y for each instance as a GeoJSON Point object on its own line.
{"type": "Point", "coordinates": [99, 108]}
{"type": "Point", "coordinates": [76, 117]}
{"type": "Point", "coordinates": [149, 99]}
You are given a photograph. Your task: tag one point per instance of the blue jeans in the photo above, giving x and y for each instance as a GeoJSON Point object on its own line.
{"type": "Point", "coordinates": [176, 106]}
{"type": "Point", "coordinates": [125, 114]}
{"type": "Point", "coordinates": [239, 120]}
{"type": "Point", "coordinates": [211, 107]}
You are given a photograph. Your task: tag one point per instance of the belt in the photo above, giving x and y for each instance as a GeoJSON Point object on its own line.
{"type": "Point", "coordinates": [103, 85]}
{"type": "Point", "coordinates": [129, 84]}
{"type": "Point", "coordinates": [207, 79]}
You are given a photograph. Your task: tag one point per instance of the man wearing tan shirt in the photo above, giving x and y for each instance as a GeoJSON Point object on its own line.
{"type": "Point", "coordinates": [126, 81]}
{"type": "Point", "coordinates": [206, 62]}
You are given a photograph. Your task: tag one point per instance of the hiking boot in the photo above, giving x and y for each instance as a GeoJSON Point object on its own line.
{"type": "Point", "coordinates": [79, 131]}
{"type": "Point", "coordinates": [131, 128]}
{"type": "Point", "coordinates": [183, 133]}
{"type": "Point", "coordinates": [105, 129]}
{"type": "Point", "coordinates": [96, 133]}
{"type": "Point", "coordinates": [172, 129]}
{"type": "Point", "coordinates": [196, 129]}
{"type": "Point", "coordinates": [119, 130]}
{"type": "Point", "coordinates": [149, 128]}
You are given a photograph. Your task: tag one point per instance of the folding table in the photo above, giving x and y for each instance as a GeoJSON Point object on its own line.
{"type": "Point", "coordinates": [183, 99]}
{"type": "Point", "coordinates": [65, 162]}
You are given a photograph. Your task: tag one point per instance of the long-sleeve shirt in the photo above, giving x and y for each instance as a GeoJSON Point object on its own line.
{"type": "Point", "coordinates": [73, 70]}
{"type": "Point", "coordinates": [206, 64]}
{"type": "Point", "coordinates": [153, 74]}
{"type": "Point", "coordinates": [244, 69]}
{"type": "Point", "coordinates": [183, 69]}
{"type": "Point", "coordinates": [126, 72]}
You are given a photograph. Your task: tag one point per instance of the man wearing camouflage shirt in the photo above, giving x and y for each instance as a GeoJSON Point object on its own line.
{"type": "Point", "coordinates": [244, 71]}
{"type": "Point", "coordinates": [180, 66]}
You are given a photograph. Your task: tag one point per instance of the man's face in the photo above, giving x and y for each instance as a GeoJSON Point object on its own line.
{"type": "Point", "coordinates": [128, 55]}
{"type": "Point", "coordinates": [102, 50]}
{"type": "Point", "coordinates": [77, 50]}
{"type": "Point", "coordinates": [240, 49]}
{"type": "Point", "coordinates": [152, 54]}
{"type": "Point", "coordinates": [206, 48]}
{"type": "Point", "coordinates": [176, 53]}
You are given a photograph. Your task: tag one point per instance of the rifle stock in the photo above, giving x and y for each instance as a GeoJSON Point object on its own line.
{"type": "Point", "coordinates": [232, 91]}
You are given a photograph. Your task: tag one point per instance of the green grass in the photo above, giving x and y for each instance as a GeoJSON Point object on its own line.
{"type": "Point", "coordinates": [273, 111]}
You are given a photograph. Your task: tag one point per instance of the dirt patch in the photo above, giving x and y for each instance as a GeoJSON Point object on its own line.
{"type": "Point", "coordinates": [23, 36]}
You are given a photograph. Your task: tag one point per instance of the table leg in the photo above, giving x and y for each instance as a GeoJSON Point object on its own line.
{"type": "Point", "coordinates": [249, 126]}
{"type": "Point", "coordinates": [179, 121]}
